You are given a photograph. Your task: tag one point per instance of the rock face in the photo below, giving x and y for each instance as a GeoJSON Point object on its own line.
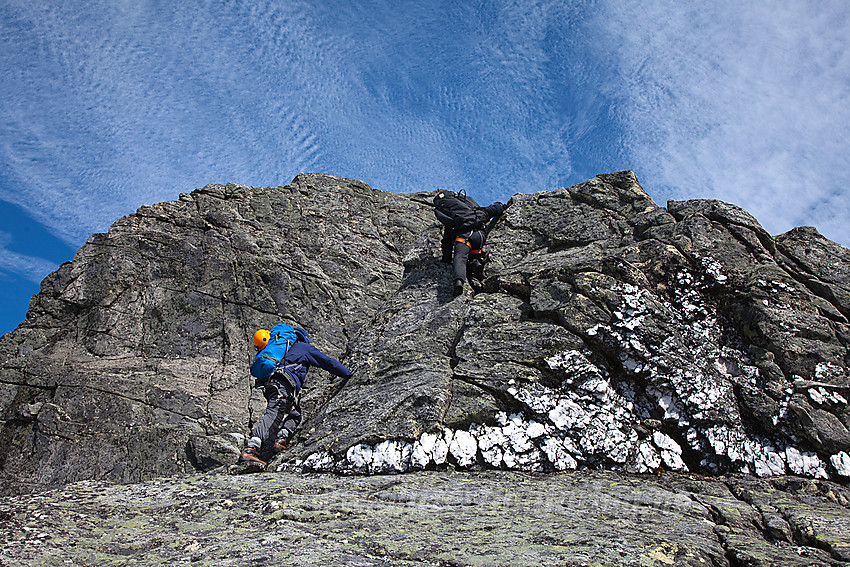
{"type": "Point", "coordinates": [432, 518]}
{"type": "Point", "coordinates": [608, 333]}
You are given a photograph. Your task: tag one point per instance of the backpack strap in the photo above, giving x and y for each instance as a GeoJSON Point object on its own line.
{"type": "Point", "coordinates": [267, 357]}
{"type": "Point", "coordinates": [287, 376]}
{"type": "Point", "coordinates": [270, 357]}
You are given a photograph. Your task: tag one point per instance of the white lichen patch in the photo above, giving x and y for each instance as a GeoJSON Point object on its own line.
{"type": "Point", "coordinates": [761, 457]}
{"type": "Point", "coordinates": [821, 396]}
{"type": "Point", "coordinates": [360, 458]}
{"type": "Point", "coordinates": [829, 372]}
{"type": "Point", "coordinates": [674, 400]}
{"type": "Point", "coordinates": [391, 456]}
{"type": "Point", "coordinates": [584, 420]}
{"type": "Point", "coordinates": [464, 448]}
{"type": "Point", "coordinates": [671, 452]}
{"type": "Point", "coordinates": [713, 270]}
{"type": "Point", "coordinates": [647, 459]}
{"type": "Point", "coordinates": [322, 462]}
{"type": "Point", "coordinates": [841, 462]}
{"type": "Point", "coordinates": [805, 463]}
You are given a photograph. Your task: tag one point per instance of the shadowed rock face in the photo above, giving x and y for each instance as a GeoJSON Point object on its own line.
{"type": "Point", "coordinates": [608, 333]}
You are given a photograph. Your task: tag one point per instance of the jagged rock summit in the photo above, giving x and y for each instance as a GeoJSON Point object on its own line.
{"type": "Point", "coordinates": [608, 332]}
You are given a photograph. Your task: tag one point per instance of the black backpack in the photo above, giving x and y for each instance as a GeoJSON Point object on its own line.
{"type": "Point", "coordinates": [458, 211]}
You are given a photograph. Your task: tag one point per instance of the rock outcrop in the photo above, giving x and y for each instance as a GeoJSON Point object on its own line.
{"type": "Point", "coordinates": [608, 333]}
{"type": "Point", "coordinates": [449, 518]}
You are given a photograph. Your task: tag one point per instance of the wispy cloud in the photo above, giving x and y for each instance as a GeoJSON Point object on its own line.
{"type": "Point", "coordinates": [744, 102]}
{"type": "Point", "coordinates": [108, 106]}
{"type": "Point", "coordinates": [113, 105]}
{"type": "Point", "coordinates": [451, 96]}
{"type": "Point", "coordinates": [30, 268]}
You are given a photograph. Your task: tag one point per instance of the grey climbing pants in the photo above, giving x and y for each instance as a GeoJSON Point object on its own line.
{"type": "Point", "coordinates": [281, 418]}
{"type": "Point", "coordinates": [464, 244]}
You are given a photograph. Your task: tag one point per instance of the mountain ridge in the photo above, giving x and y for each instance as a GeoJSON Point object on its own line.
{"type": "Point", "coordinates": [607, 332]}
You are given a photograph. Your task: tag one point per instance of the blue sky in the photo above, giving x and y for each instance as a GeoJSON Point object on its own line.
{"type": "Point", "coordinates": [110, 105]}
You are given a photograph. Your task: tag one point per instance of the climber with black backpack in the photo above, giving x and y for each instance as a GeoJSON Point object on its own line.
{"type": "Point", "coordinates": [464, 234]}
{"type": "Point", "coordinates": [280, 369]}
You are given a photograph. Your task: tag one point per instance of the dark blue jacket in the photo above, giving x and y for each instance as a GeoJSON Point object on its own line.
{"type": "Point", "coordinates": [301, 356]}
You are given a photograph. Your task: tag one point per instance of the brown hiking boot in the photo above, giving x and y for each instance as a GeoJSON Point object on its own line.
{"type": "Point", "coordinates": [458, 287]}
{"type": "Point", "coordinates": [251, 454]}
{"type": "Point", "coordinates": [281, 445]}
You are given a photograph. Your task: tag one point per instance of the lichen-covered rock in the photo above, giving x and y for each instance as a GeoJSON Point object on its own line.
{"type": "Point", "coordinates": [432, 518]}
{"type": "Point", "coordinates": [608, 333]}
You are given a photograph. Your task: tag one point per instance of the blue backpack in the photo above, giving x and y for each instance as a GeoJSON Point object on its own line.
{"type": "Point", "coordinates": [282, 337]}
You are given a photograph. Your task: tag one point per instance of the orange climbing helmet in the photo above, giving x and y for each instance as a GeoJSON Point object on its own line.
{"type": "Point", "coordinates": [261, 338]}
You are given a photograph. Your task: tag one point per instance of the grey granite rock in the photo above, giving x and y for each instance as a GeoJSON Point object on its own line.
{"type": "Point", "coordinates": [432, 518]}
{"type": "Point", "coordinates": [608, 333]}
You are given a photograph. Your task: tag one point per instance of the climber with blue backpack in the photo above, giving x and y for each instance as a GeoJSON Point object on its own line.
{"type": "Point", "coordinates": [279, 370]}
{"type": "Point", "coordinates": [465, 232]}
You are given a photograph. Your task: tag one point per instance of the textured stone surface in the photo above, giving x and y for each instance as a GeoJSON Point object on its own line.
{"type": "Point", "coordinates": [137, 349]}
{"type": "Point", "coordinates": [432, 518]}
{"type": "Point", "coordinates": [608, 333]}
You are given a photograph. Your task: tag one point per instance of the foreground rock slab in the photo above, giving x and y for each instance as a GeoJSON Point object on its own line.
{"type": "Point", "coordinates": [432, 518]}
